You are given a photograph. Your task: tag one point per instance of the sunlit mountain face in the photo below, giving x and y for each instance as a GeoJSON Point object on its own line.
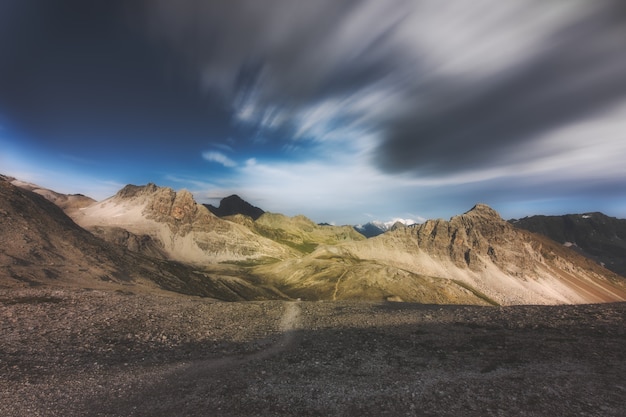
{"type": "Point", "coordinates": [344, 111]}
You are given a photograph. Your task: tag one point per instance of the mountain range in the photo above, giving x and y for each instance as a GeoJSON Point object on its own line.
{"type": "Point", "coordinates": [376, 227]}
{"type": "Point", "coordinates": [155, 237]}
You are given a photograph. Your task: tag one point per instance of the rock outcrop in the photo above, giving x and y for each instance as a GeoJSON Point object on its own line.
{"type": "Point", "coordinates": [475, 239]}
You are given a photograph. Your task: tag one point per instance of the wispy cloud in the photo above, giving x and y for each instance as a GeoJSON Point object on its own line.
{"type": "Point", "coordinates": [220, 158]}
{"type": "Point", "coordinates": [222, 146]}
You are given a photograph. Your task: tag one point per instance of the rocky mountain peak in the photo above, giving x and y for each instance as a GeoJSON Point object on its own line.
{"type": "Point", "coordinates": [397, 225]}
{"type": "Point", "coordinates": [178, 210]}
{"type": "Point", "coordinates": [233, 205]}
{"type": "Point", "coordinates": [470, 238]}
{"type": "Point", "coordinates": [131, 191]}
{"type": "Point", "coordinates": [483, 210]}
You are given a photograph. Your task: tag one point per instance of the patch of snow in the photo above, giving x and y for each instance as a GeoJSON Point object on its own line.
{"type": "Point", "coordinates": [586, 216]}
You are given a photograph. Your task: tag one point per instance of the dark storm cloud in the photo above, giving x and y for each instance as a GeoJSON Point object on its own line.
{"type": "Point", "coordinates": [579, 72]}
{"type": "Point", "coordinates": [290, 53]}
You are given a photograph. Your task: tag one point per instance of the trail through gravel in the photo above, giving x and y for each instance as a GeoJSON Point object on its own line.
{"type": "Point", "coordinates": [110, 353]}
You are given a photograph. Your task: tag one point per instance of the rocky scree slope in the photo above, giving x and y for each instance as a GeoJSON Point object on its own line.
{"type": "Point", "coordinates": [594, 235]}
{"type": "Point", "coordinates": [183, 229]}
{"type": "Point", "coordinates": [477, 252]}
{"type": "Point", "coordinates": [41, 245]}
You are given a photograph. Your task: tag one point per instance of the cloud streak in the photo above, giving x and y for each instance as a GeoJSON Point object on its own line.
{"type": "Point", "coordinates": [220, 158]}
{"type": "Point", "coordinates": [427, 95]}
{"type": "Point", "coordinates": [475, 90]}
{"type": "Point", "coordinates": [577, 75]}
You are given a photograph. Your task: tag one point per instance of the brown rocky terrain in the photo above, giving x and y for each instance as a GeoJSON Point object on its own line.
{"type": "Point", "coordinates": [70, 352]}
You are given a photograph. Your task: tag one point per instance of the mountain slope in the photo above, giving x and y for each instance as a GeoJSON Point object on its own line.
{"type": "Point", "coordinates": [41, 245]}
{"type": "Point", "coordinates": [297, 232]}
{"type": "Point", "coordinates": [477, 251]}
{"type": "Point", "coordinates": [595, 235]}
{"type": "Point", "coordinates": [301, 233]}
{"type": "Point", "coordinates": [185, 230]}
{"type": "Point", "coordinates": [67, 202]}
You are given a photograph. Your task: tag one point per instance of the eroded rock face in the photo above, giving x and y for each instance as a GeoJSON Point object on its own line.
{"type": "Point", "coordinates": [168, 205]}
{"type": "Point", "coordinates": [470, 238]}
{"type": "Point", "coordinates": [178, 210]}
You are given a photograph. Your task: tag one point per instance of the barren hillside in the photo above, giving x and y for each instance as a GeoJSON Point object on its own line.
{"type": "Point", "coordinates": [476, 256]}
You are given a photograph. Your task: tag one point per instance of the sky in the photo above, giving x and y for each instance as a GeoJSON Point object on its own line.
{"type": "Point", "coordinates": [345, 111]}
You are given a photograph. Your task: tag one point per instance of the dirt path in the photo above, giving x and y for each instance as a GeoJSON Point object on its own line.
{"type": "Point", "coordinates": [289, 323]}
{"type": "Point", "coordinates": [337, 285]}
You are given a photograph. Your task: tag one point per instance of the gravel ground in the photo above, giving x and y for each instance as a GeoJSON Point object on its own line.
{"type": "Point", "coordinates": [69, 352]}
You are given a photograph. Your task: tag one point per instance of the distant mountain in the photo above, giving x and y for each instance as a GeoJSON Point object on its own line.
{"type": "Point", "coordinates": [473, 258]}
{"type": "Point", "coordinates": [41, 245]}
{"type": "Point", "coordinates": [595, 235]}
{"type": "Point", "coordinates": [234, 204]}
{"type": "Point", "coordinates": [375, 228]}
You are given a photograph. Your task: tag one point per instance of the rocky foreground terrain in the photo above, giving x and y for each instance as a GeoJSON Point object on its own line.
{"type": "Point", "coordinates": [77, 352]}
